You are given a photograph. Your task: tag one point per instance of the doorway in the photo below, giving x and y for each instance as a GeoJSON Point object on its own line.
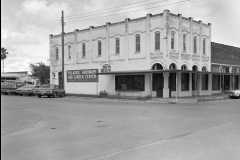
{"type": "Point", "coordinates": [158, 84]}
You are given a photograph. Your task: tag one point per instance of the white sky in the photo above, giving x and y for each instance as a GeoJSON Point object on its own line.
{"type": "Point", "coordinates": [25, 24]}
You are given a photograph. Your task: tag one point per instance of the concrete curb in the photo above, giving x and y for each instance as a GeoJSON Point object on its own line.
{"type": "Point", "coordinates": [160, 101]}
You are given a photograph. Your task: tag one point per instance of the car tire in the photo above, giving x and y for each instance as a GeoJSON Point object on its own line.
{"type": "Point", "coordinates": [6, 93]}
{"type": "Point", "coordinates": [39, 96]}
{"type": "Point", "coordinates": [62, 95]}
{"type": "Point", "coordinates": [48, 96]}
{"type": "Point", "coordinates": [55, 95]}
{"type": "Point", "coordinates": [20, 94]}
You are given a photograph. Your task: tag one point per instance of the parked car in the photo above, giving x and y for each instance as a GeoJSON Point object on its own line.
{"type": "Point", "coordinates": [234, 94]}
{"type": "Point", "coordinates": [10, 86]}
{"type": "Point", "coordinates": [49, 90]}
{"type": "Point", "coordinates": [26, 90]}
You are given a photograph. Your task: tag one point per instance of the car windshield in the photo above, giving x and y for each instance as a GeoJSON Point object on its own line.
{"type": "Point", "coordinates": [45, 86]}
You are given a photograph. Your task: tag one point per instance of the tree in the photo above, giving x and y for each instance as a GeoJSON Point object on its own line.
{"type": "Point", "coordinates": [3, 55]}
{"type": "Point", "coordinates": [41, 71]}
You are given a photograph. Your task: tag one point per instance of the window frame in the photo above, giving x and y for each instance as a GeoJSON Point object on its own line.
{"type": "Point", "coordinates": [195, 44]}
{"type": "Point", "coordinates": [204, 46]}
{"type": "Point", "coordinates": [117, 45]}
{"type": "Point", "coordinates": [184, 42]}
{"type": "Point", "coordinates": [83, 50]}
{"type": "Point", "coordinates": [172, 40]}
{"type": "Point", "coordinates": [69, 51]}
{"type": "Point", "coordinates": [138, 44]}
{"type": "Point", "coordinates": [57, 56]}
{"type": "Point", "coordinates": [99, 48]}
{"type": "Point", "coordinates": [157, 40]}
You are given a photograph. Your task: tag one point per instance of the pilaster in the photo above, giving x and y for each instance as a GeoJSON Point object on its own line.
{"type": "Point", "coordinates": [166, 87]}
{"type": "Point", "coordinates": [107, 42]}
{"type": "Point", "coordinates": [90, 44]}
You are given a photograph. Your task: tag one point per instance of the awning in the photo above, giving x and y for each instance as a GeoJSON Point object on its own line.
{"type": "Point", "coordinates": [163, 71]}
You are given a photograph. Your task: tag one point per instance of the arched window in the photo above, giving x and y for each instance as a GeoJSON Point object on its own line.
{"type": "Point", "coordinates": [69, 51]}
{"type": "Point", "coordinates": [99, 48]}
{"type": "Point", "coordinates": [204, 46]}
{"type": "Point", "coordinates": [184, 42]}
{"type": "Point", "coordinates": [157, 66]}
{"type": "Point", "coordinates": [195, 68]}
{"type": "Point", "coordinates": [195, 44]}
{"type": "Point", "coordinates": [157, 40]}
{"type": "Point", "coordinates": [172, 66]}
{"type": "Point", "coordinates": [204, 69]}
{"type": "Point", "coordinates": [138, 46]}
{"type": "Point", "coordinates": [184, 67]}
{"type": "Point", "coordinates": [83, 50]}
{"type": "Point", "coordinates": [172, 40]}
{"type": "Point", "coordinates": [117, 45]}
{"type": "Point", "coordinates": [56, 53]}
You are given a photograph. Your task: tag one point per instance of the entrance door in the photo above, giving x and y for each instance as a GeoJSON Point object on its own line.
{"type": "Point", "coordinates": [158, 84]}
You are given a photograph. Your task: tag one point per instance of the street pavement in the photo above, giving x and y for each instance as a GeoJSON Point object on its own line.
{"type": "Point", "coordinates": [73, 128]}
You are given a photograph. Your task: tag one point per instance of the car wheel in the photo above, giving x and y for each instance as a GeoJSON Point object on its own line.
{"type": "Point", "coordinates": [62, 95]}
{"type": "Point", "coordinates": [30, 94]}
{"type": "Point", "coordinates": [48, 96]}
{"type": "Point", "coordinates": [39, 96]}
{"type": "Point", "coordinates": [55, 95]}
{"type": "Point", "coordinates": [20, 94]}
{"type": "Point", "coordinates": [6, 93]}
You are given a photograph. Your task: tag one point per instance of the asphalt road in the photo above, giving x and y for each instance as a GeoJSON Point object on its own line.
{"type": "Point", "coordinates": [72, 128]}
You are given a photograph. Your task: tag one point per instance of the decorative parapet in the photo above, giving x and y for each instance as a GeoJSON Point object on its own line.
{"type": "Point", "coordinates": [195, 58]}
{"type": "Point", "coordinates": [173, 55]}
{"type": "Point", "coordinates": [156, 55]}
{"type": "Point", "coordinates": [205, 59]}
{"type": "Point", "coordinates": [185, 56]}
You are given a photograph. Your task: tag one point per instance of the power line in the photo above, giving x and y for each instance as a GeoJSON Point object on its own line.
{"type": "Point", "coordinates": [28, 32]}
{"type": "Point", "coordinates": [20, 38]}
{"type": "Point", "coordinates": [121, 9]}
{"type": "Point", "coordinates": [106, 9]}
{"type": "Point", "coordinates": [128, 12]}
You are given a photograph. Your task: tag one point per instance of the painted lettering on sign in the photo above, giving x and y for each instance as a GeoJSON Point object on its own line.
{"type": "Point", "coordinates": [88, 75]}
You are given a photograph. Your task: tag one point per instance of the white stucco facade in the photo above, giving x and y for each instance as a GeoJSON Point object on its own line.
{"type": "Point", "coordinates": [172, 51]}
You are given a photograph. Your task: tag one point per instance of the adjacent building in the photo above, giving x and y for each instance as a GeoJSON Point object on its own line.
{"type": "Point", "coordinates": [162, 55]}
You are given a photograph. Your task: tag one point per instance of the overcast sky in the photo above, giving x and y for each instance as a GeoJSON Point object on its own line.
{"type": "Point", "coordinates": [27, 24]}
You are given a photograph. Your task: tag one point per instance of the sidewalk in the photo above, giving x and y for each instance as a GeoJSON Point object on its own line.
{"type": "Point", "coordinates": [173, 100]}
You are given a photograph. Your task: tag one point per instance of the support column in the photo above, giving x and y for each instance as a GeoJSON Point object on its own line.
{"type": "Point", "coordinates": [199, 84]}
{"type": "Point", "coordinates": [166, 87]}
{"type": "Point", "coordinates": [210, 84]}
{"type": "Point", "coordinates": [179, 84]}
{"type": "Point", "coordinates": [190, 84]}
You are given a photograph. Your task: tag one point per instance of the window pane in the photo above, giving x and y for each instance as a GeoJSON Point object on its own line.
{"type": "Point", "coordinates": [83, 50]}
{"type": "Point", "coordinates": [185, 82]}
{"type": "Point", "coordinates": [215, 82]}
{"type": "Point", "coordinates": [132, 82]}
{"type": "Point", "coordinates": [157, 41]}
{"type": "Point", "coordinates": [204, 47]}
{"type": "Point", "coordinates": [204, 81]}
{"type": "Point", "coordinates": [99, 48]}
{"type": "Point", "coordinates": [172, 40]}
{"type": "Point", "coordinates": [138, 43]}
{"type": "Point", "coordinates": [117, 46]}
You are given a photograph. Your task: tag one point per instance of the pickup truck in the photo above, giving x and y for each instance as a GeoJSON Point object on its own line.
{"type": "Point", "coordinates": [10, 86]}
{"type": "Point", "coordinates": [49, 90]}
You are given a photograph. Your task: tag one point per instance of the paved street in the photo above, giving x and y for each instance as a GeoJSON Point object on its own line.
{"type": "Point", "coordinates": [74, 128]}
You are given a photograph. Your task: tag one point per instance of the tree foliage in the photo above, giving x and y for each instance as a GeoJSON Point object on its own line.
{"type": "Point", "coordinates": [41, 71]}
{"type": "Point", "coordinates": [3, 55]}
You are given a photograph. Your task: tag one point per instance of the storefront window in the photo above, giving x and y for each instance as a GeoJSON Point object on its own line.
{"type": "Point", "coordinates": [204, 81]}
{"type": "Point", "coordinates": [130, 83]}
{"type": "Point", "coordinates": [185, 82]}
{"type": "Point", "coordinates": [215, 82]}
{"type": "Point", "coordinates": [236, 80]}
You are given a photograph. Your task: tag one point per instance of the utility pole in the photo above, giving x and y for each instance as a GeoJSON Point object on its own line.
{"type": "Point", "coordinates": [62, 51]}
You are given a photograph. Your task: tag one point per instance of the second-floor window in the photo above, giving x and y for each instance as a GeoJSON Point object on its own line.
{"type": "Point", "coordinates": [69, 51]}
{"type": "Point", "coordinates": [117, 45]}
{"type": "Point", "coordinates": [157, 40]}
{"type": "Point", "coordinates": [184, 42]}
{"type": "Point", "coordinates": [195, 45]}
{"type": "Point", "coordinates": [99, 48]}
{"type": "Point", "coordinates": [83, 50]}
{"type": "Point", "coordinates": [138, 43]}
{"type": "Point", "coordinates": [172, 40]}
{"type": "Point", "coordinates": [204, 46]}
{"type": "Point", "coordinates": [56, 53]}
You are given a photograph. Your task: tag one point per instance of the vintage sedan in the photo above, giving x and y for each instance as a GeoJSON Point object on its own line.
{"type": "Point", "coordinates": [49, 90]}
{"type": "Point", "coordinates": [26, 90]}
{"type": "Point", "coordinates": [234, 94]}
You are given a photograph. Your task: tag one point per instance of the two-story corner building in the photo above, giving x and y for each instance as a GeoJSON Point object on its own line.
{"type": "Point", "coordinates": [160, 55]}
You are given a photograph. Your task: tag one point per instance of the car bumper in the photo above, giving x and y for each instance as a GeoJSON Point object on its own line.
{"type": "Point", "coordinates": [24, 92]}
{"type": "Point", "coordinates": [43, 94]}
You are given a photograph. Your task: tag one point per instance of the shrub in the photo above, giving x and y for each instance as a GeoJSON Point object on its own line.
{"type": "Point", "coordinates": [103, 94]}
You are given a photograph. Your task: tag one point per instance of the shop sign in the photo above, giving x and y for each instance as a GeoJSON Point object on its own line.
{"type": "Point", "coordinates": [88, 75]}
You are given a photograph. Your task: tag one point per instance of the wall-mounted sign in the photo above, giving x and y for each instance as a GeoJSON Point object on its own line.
{"type": "Point", "coordinates": [88, 75]}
